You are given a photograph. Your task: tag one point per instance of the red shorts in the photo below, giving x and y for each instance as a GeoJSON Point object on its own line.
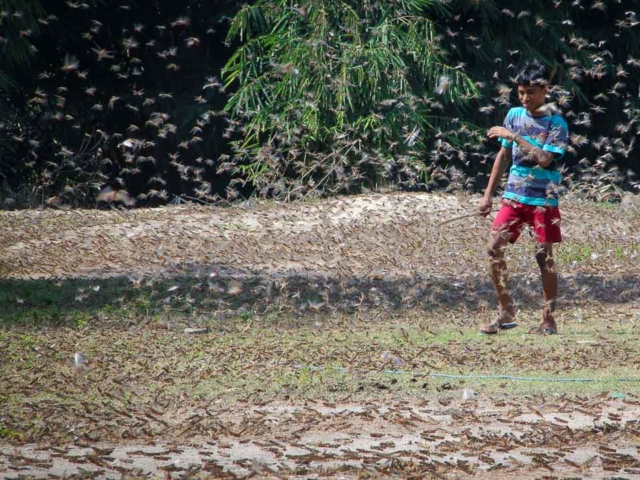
{"type": "Point", "coordinates": [545, 221]}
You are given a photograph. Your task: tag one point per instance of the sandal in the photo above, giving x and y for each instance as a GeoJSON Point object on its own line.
{"type": "Point", "coordinates": [495, 327]}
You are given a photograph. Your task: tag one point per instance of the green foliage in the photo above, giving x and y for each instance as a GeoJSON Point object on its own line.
{"type": "Point", "coordinates": [345, 88]}
{"type": "Point", "coordinates": [19, 22]}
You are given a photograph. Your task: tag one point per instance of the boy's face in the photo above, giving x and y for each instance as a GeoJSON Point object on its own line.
{"type": "Point", "coordinates": [532, 97]}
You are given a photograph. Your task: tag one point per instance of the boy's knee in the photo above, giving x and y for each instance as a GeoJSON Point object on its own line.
{"type": "Point", "coordinates": [498, 241]}
{"type": "Point", "coordinates": [495, 250]}
{"type": "Point", "coordinates": [544, 259]}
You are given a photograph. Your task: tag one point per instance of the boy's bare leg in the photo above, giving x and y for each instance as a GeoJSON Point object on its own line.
{"type": "Point", "coordinates": [500, 277]}
{"type": "Point", "coordinates": [544, 257]}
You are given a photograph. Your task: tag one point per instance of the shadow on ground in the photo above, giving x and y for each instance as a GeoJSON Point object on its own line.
{"type": "Point", "coordinates": [229, 292]}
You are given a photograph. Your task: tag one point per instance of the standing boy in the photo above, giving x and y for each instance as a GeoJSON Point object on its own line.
{"type": "Point", "coordinates": [535, 139]}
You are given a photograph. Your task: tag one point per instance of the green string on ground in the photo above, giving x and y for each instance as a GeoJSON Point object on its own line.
{"type": "Point", "coordinates": [531, 379]}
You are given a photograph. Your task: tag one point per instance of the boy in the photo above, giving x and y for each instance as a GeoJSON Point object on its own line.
{"type": "Point", "coordinates": [535, 139]}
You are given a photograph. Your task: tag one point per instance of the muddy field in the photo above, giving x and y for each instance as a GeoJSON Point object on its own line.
{"type": "Point", "coordinates": [313, 340]}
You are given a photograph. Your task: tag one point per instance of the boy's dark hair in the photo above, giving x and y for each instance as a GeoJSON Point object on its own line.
{"type": "Point", "coordinates": [533, 73]}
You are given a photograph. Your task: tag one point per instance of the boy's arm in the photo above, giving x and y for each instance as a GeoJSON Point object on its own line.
{"type": "Point", "coordinates": [541, 157]}
{"type": "Point", "coordinates": [500, 164]}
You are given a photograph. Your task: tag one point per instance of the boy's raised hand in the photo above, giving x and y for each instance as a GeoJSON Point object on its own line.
{"type": "Point", "coordinates": [495, 132]}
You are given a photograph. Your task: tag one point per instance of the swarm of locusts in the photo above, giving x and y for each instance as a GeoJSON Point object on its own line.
{"type": "Point", "coordinates": [131, 106]}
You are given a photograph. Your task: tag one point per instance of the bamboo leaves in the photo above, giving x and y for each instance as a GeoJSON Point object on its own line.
{"type": "Point", "coordinates": [327, 69]}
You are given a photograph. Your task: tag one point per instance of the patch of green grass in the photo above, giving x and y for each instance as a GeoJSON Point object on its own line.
{"type": "Point", "coordinates": [604, 206]}
{"type": "Point", "coordinates": [569, 253]}
{"type": "Point", "coordinates": [28, 340]}
{"type": "Point", "coordinates": [54, 316]}
{"type": "Point", "coordinates": [71, 303]}
{"type": "Point", "coordinates": [621, 254]}
{"type": "Point", "coordinates": [9, 434]}
{"type": "Point", "coordinates": [77, 301]}
{"type": "Point", "coordinates": [607, 381]}
{"type": "Point", "coordinates": [607, 206]}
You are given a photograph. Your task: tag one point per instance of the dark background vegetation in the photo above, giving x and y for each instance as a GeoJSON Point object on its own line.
{"type": "Point", "coordinates": [212, 101]}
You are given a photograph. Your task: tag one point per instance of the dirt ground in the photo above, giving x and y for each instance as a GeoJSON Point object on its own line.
{"type": "Point", "coordinates": [342, 274]}
{"type": "Point", "coordinates": [476, 438]}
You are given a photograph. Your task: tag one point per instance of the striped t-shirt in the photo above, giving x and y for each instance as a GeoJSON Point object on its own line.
{"type": "Point", "coordinates": [529, 183]}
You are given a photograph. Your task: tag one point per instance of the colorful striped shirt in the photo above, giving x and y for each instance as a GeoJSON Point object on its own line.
{"type": "Point", "coordinates": [529, 183]}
